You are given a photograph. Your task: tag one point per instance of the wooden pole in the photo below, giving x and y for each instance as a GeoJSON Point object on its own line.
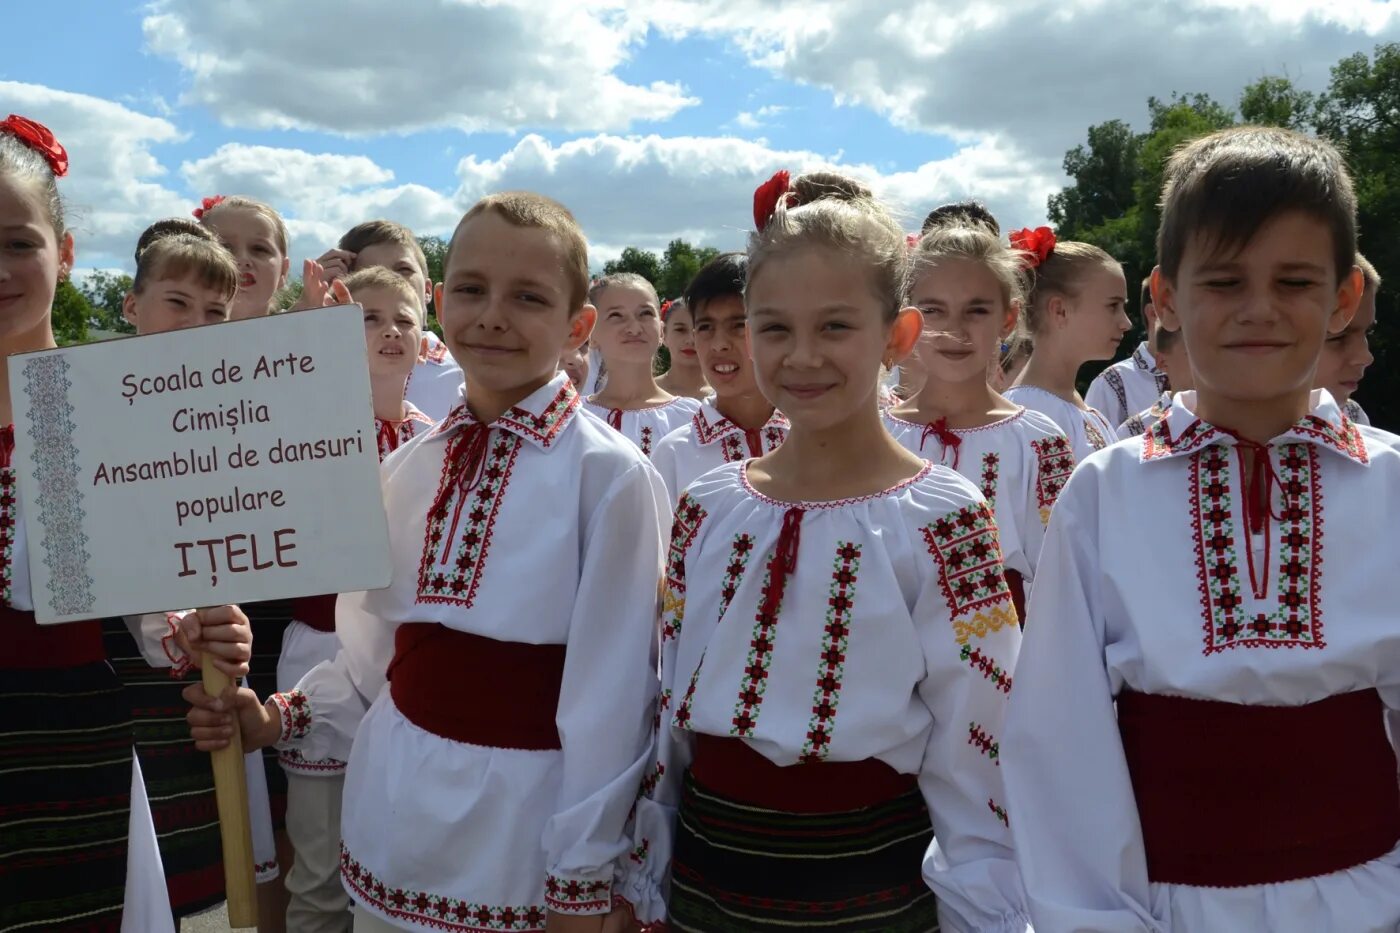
{"type": "Point", "coordinates": [231, 795]}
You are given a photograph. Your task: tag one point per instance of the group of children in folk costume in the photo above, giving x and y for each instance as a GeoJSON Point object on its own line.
{"type": "Point", "coordinates": [835, 740]}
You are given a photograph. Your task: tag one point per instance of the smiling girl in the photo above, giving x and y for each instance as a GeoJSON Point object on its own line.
{"type": "Point", "coordinates": [256, 236]}
{"type": "Point", "coordinates": [686, 376]}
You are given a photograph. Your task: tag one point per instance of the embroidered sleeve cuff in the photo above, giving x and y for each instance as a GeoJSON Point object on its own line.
{"type": "Point", "coordinates": [180, 663]}
{"type": "Point", "coordinates": [296, 717]}
{"type": "Point", "coordinates": [574, 896]}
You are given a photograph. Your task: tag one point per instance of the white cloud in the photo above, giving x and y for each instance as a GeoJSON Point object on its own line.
{"type": "Point", "coordinates": [753, 119]}
{"type": "Point", "coordinates": [363, 67]}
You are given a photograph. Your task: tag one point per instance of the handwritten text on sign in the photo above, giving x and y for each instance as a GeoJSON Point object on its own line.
{"type": "Point", "coordinates": [222, 464]}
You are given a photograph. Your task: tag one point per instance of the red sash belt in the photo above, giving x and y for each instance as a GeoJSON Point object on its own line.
{"type": "Point", "coordinates": [27, 645]}
{"type": "Point", "coordinates": [1231, 795]}
{"type": "Point", "coordinates": [731, 768]}
{"type": "Point", "coordinates": [316, 611]}
{"type": "Point", "coordinates": [478, 690]}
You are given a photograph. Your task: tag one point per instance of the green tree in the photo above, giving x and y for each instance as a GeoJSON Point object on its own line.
{"type": "Point", "coordinates": [1105, 174]}
{"type": "Point", "coordinates": [1274, 101]}
{"type": "Point", "coordinates": [435, 251]}
{"type": "Point", "coordinates": [679, 264]}
{"type": "Point", "coordinates": [640, 261]}
{"type": "Point", "coordinates": [105, 291]}
{"type": "Point", "coordinates": [71, 313]}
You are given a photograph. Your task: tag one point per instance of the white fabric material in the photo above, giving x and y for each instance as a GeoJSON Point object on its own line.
{"type": "Point", "coordinates": [907, 693]}
{"type": "Point", "coordinates": [1018, 463]}
{"type": "Point", "coordinates": [303, 647]}
{"type": "Point", "coordinates": [568, 553]}
{"type": "Point", "coordinates": [146, 902]}
{"type": "Point", "coordinates": [1139, 380]}
{"type": "Point", "coordinates": [435, 384]}
{"type": "Point", "coordinates": [1119, 604]}
{"type": "Point", "coordinates": [318, 901]}
{"type": "Point", "coordinates": [645, 427]}
{"type": "Point", "coordinates": [1087, 429]}
{"type": "Point", "coordinates": [265, 866]}
{"type": "Point", "coordinates": [1356, 413]}
{"type": "Point", "coordinates": [707, 441]}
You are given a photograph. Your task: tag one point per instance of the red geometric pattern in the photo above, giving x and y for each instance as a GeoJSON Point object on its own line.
{"type": "Point", "coordinates": [8, 517]}
{"type": "Point", "coordinates": [998, 811]}
{"type": "Point", "coordinates": [567, 896]}
{"type": "Point", "coordinates": [647, 434]}
{"type": "Point", "coordinates": [1054, 464]}
{"type": "Point", "coordinates": [394, 434]}
{"type": "Point", "coordinates": [756, 668]}
{"type": "Point", "coordinates": [544, 427]}
{"type": "Point", "coordinates": [836, 636]}
{"type": "Point", "coordinates": [980, 662]}
{"type": "Point", "coordinates": [739, 553]}
{"type": "Point", "coordinates": [684, 527]}
{"type": "Point", "coordinates": [296, 715]}
{"type": "Point", "coordinates": [1294, 620]}
{"type": "Point", "coordinates": [991, 466]}
{"type": "Point", "coordinates": [457, 582]}
{"type": "Point", "coordinates": [979, 737]}
{"type": "Point", "coordinates": [437, 911]}
{"type": "Point", "coordinates": [964, 545]}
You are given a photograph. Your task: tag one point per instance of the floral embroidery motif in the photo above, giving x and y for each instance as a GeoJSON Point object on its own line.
{"type": "Point", "coordinates": [296, 715]}
{"type": "Point", "coordinates": [456, 582]}
{"type": "Point", "coordinates": [684, 527]}
{"type": "Point", "coordinates": [964, 544]}
{"type": "Point", "coordinates": [982, 740]}
{"type": "Point", "coordinates": [650, 782]}
{"type": "Point", "coordinates": [7, 532]}
{"type": "Point", "coordinates": [738, 562]}
{"type": "Point", "coordinates": [1157, 442]}
{"type": "Point", "coordinates": [435, 910]}
{"type": "Point", "coordinates": [639, 854]}
{"type": "Point", "coordinates": [646, 439]}
{"type": "Point", "coordinates": [998, 812]}
{"type": "Point", "coordinates": [756, 668]}
{"type": "Point", "coordinates": [1054, 464]}
{"type": "Point", "coordinates": [731, 447]}
{"type": "Point", "coordinates": [394, 434]}
{"type": "Point", "coordinates": [682, 717]}
{"type": "Point", "coordinates": [989, 669]}
{"type": "Point", "coordinates": [991, 463]}
{"type": "Point", "coordinates": [836, 636]}
{"type": "Point", "coordinates": [1294, 620]}
{"type": "Point", "coordinates": [576, 897]}
{"type": "Point", "coordinates": [1346, 440]}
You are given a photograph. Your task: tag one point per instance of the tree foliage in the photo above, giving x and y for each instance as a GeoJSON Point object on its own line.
{"type": "Point", "coordinates": [71, 313]}
{"type": "Point", "coordinates": [105, 291]}
{"type": "Point", "coordinates": [1116, 180]}
{"type": "Point", "coordinates": [670, 272]}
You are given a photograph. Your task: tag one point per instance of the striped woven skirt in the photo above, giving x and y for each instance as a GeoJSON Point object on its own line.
{"type": "Point", "coordinates": [740, 867]}
{"type": "Point", "coordinates": [65, 797]}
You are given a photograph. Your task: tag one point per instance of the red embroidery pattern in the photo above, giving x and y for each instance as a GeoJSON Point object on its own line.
{"type": "Point", "coordinates": [296, 715]}
{"type": "Point", "coordinates": [1345, 440]}
{"type": "Point", "coordinates": [1054, 464]}
{"type": "Point", "coordinates": [576, 897]}
{"type": "Point", "coordinates": [682, 717]}
{"type": "Point", "coordinates": [989, 669]}
{"type": "Point", "coordinates": [457, 582]}
{"type": "Point", "coordinates": [293, 760]}
{"type": "Point", "coordinates": [437, 354]}
{"type": "Point", "coordinates": [756, 669]}
{"type": "Point", "coordinates": [684, 527]}
{"type": "Point", "coordinates": [998, 812]}
{"type": "Point", "coordinates": [639, 854]}
{"type": "Point", "coordinates": [545, 426]}
{"type": "Point", "coordinates": [1295, 619]}
{"type": "Point", "coordinates": [982, 740]}
{"type": "Point", "coordinates": [435, 910]}
{"type": "Point", "coordinates": [964, 544]}
{"type": "Point", "coordinates": [991, 464]}
{"type": "Point", "coordinates": [739, 553]}
{"type": "Point", "coordinates": [646, 439]}
{"type": "Point", "coordinates": [1158, 441]}
{"type": "Point", "coordinates": [394, 434]}
{"type": "Point", "coordinates": [731, 447]}
{"type": "Point", "coordinates": [836, 637]}
{"type": "Point", "coordinates": [7, 532]}
{"type": "Point", "coordinates": [651, 780]}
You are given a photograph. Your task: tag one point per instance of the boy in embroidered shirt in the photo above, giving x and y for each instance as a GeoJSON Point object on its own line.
{"type": "Point", "coordinates": [738, 422]}
{"type": "Point", "coordinates": [1176, 365]}
{"type": "Point", "coordinates": [510, 745]}
{"type": "Point", "coordinates": [1261, 650]}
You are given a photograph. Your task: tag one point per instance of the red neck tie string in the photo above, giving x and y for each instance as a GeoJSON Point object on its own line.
{"type": "Point", "coordinates": [466, 457]}
{"type": "Point", "coordinates": [946, 436]}
{"type": "Point", "coordinates": [784, 562]}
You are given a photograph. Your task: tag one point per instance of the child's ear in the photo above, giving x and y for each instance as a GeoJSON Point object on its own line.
{"type": "Point", "coordinates": [1164, 301]}
{"type": "Point", "coordinates": [904, 334]}
{"type": "Point", "coordinates": [1013, 314]}
{"type": "Point", "coordinates": [286, 266]}
{"type": "Point", "coordinates": [437, 297]}
{"type": "Point", "coordinates": [129, 308]}
{"type": "Point", "coordinates": [581, 326]}
{"type": "Point", "coordinates": [1349, 295]}
{"type": "Point", "coordinates": [1057, 310]}
{"type": "Point", "coordinates": [65, 256]}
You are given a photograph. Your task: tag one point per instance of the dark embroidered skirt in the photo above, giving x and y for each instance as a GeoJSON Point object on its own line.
{"type": "Point", "coordinates": [743, 868]}
{"type": "Point", "coordinates": [179, 779]}
{"type": "Point", "coordinates": [65, 798]}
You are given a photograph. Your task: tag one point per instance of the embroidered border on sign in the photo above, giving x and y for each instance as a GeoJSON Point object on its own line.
{"type": "Point", "coordinates": [458, 583]}
{"type": "Point", "coordinates": [1295, 620]}
{"type": "Point", "coordinates": [991, 465]}
{"type": "Point", "coordinates": [836, 638]}
{"type": "Point", "coordinates": [1054, 464]}
{"type": "Point", "coordinates": [437, 911]}
{"type": "Point", "coordinates": [964, 544]}
{"type": "Point", "coordinates": [685, 525]}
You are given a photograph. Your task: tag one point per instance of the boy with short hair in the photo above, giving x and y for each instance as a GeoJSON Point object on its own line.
{"type": "Point", "coordinates": [1197, 736]}
{"type": "Point", "coordinates": [1131, 385]}
{"type": "Point", "coordinates": [490, 784]}
{"type": "Point", "coordinates": [737, 422]}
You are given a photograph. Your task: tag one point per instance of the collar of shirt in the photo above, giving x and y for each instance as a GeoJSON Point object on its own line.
{"type": "Point", "coordinates": [538, 418]}
{"type": "Point", "coordinates": [1325, 425]}
{"type": "Point", "coordinates": [1144, 360]}
{"type": "Point", "coordinates": [711, 426]}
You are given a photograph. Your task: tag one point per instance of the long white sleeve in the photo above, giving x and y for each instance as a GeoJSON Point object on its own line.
{"type": "Point", "coordinates": [1074, 820]}
{"type": "Point", "coordinates": [665, 458]}
{"type": "Point", "coordinates": [607, 695]}
{"type": "Point", "coordinates": [1102, 398]}
{"type": "Point", "coordinates": [969, 652]}
{"type": "Point", "coordinates": [154, 634]}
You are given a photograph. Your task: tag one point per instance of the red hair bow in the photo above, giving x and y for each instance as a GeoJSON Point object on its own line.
{"type": "Point", "coordinates": [1038, 244]}
{"type": "Point", "coordinates": [207, 205]}
{"type": "Point", "coordinates": [40, 138]}
{"type": "Point", "coordinates": [766, 197]}
{"type": "Point", "coordinates": [666, 308]}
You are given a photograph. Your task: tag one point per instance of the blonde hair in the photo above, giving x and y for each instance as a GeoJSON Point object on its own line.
{"type": "Point", "coordinates": [19, 161]}
{"type": "Point", "coordinates": [841, 214]}
{"type": "Point", "coordinates": [177, 249]}
{"type": "Point", "coordinates": [621, 280]}
{"type": "Point", "coordinates": [380, 277]}
{"type": "Point", "coordinates": [1369, 273]}
{"type": "Point", "coordinates": [975, 244]}
{"type": "Point", "coordinates": [1059, 275]}
{"type": "Point", "coordinates": [535, 211]}
{"type": "Point", "coordinates": [257, 207]}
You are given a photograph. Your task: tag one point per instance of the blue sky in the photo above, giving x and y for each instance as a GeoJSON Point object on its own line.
{"type": "Point", "coordinates": [651, 120]}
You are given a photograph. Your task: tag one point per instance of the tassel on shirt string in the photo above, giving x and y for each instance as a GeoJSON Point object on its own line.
{"type": "Point", "coordinates": [466, 459]}
{"type": "Point", "coordinates": [946, 436]}
{"type": "Point", "coordinates": [784, 561]}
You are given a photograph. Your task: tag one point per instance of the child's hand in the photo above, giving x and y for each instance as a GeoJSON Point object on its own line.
{"type": "Point", "coordinates": [212, 719]}
{"type": "Point", "coordinates": [319, 289]}
{"type": "Point", "coordinates": [566, 923]}
{"type": "Point", "coordinates": [223, 633]}
{"type": "Point", "coordinates": [336, 263]}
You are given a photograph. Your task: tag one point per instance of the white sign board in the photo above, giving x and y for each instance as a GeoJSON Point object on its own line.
{"type": "Point", "coordinates": [223, 464]}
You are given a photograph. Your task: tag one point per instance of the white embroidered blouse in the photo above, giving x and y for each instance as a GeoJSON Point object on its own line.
{"type": "Point", "coordinates": [645, 427]}
{"type": "Point", "coordinates": [559, 499]}
{"type": "Point", "coordinates": [1127, 387]}
{"type": "Point", "coordinates": [1087, 429]}
{"type": "Point", "coordinates": [895, 626]}
{"type": "Point", "coordinates": [710, 440]}
{"type": "Point", "coordinates": [1175, 599]}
